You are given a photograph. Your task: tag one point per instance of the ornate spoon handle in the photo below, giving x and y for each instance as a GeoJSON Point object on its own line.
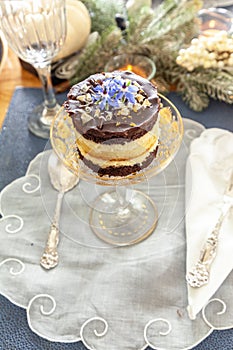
{"type": "Point", "coordinates": [199, 274]}
{"type": "Point", "coordinates": [49, 259]}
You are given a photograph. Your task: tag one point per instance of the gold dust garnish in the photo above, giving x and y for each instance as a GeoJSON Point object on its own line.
{"type": "Point", "coordinates": [97, 113]}
{"type": "Point", "coordinates": [166, 113]}
{"type": "Point", "coordinates": [146, 103]}
{"type": "Point", "coordinates": [142, 92]}
{"type": "Point", "coordinates": [132, 124]}
{"type": "Point", "coordinates": [88, 97]}
{"type": "Point", "coordinates": [118, 123]}
{"type": "Point", "coordinates": [123, 111]}
{"type": "Point", "coordinates": [136, 107]}
{"type": "Point", "coordinates": [140, 98]}
{"type": "Point", "coordinates": [81, 98]}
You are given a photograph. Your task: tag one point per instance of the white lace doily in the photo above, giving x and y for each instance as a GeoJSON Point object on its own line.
{"type": "Point", "coordinates": [110, 298]}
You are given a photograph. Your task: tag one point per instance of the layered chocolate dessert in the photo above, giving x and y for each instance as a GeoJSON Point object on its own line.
{"type": "Point", "coordinates": [116, 120]}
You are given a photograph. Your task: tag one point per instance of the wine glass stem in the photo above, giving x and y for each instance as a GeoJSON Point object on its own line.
{"type": "Point", "coordinates": [50, 102]}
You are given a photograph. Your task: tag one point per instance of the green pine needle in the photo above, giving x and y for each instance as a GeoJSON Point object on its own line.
{"type": "Point", "coordinates": [103, 13]}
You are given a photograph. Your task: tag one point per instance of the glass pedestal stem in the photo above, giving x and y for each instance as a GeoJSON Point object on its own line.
{"type": "Point", "coordinates": [122, 193]}
{"type": "Point", "coordinates": [123, 210]}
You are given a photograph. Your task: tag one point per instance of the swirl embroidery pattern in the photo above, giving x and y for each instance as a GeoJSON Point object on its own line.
{"type": "Point", "coordinates": [11, 227]}
{"type": "Point", "coordinates": [29, 187]}
{"type": "Point", "coordinates": [18, 262]}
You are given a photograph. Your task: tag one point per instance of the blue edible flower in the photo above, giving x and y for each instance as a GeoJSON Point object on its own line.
{"type": "Point", "coordinates": [114, 90]}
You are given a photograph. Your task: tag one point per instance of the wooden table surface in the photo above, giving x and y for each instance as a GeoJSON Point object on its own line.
{"type": "Point", "coordinates": [13, 75]}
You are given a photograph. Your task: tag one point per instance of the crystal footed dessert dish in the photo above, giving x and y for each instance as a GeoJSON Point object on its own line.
{"type": "Point", "coordinates": [114, 129]}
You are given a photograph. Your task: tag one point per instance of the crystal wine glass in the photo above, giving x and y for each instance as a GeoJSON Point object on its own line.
{"type": "Point", "coordinates": [36, 30]}
{"type": "Point", "coordinates": [123, 216]}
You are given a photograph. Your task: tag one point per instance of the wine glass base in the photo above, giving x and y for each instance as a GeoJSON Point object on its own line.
{"type": "Point", "coordinates": [40, 120]}
{"type": "Point", "coordinates": [125, 225]}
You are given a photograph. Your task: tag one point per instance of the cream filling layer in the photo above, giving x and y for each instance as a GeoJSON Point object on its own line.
{"type": "Point", "coordinates": [127, 154]}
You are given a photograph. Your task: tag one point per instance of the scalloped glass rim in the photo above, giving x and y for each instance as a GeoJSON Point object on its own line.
{"type": "Point", "coordinates": [62, 138]}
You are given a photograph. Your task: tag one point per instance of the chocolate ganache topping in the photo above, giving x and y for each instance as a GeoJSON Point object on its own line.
{"type": "Point", "coordinates": [117, 105]}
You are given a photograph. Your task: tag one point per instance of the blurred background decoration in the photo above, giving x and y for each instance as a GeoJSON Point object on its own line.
{"type": "Point", "coordinates": [98, 30]}
{"type": "Point", "coordinates": [3, 50]}
{"type": "Point", "coordinates": [78, 28]}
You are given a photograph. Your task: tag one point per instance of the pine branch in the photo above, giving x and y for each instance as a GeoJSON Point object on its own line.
{"type": "Point", "coordinates": [192, 95]}
{"type": "Point", "coordinates": [215, 83]}
{"type": "Point", "coordinates": [161, 11]}
{"type": "Point", "coordinates": [197, 86]}
{"type": "Point", "coordinates": [169, 70]}
{"type": "Point", "coordinates": [103, 13]}
{"type": "Point", "coordinates": [137, 25]}
{"type": "Point", "coordinates": [183, 13]}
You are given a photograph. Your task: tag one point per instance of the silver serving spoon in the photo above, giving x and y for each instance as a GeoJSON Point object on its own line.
{"type": "Point", "coordinates": [62, 180]}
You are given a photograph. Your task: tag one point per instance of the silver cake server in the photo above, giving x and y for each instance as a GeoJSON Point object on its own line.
{"type": "Point", "coordinates": [199, 274]}
{"type": "Point", "coordinates": [62, 180]}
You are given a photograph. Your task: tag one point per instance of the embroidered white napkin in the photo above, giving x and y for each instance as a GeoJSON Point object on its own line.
{"type": "Point", "coordinates": [209, 166]}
